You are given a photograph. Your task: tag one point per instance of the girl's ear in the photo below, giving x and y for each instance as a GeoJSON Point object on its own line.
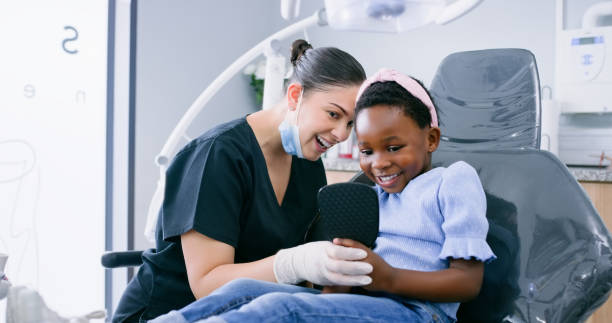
{"type": "Point", "coordinates": [293, 95]}
{"type": "Point", "coordinates": [433, 139]}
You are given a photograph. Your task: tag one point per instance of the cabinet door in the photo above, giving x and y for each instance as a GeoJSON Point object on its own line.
{"type": "Point", "coordinates": [601, 196]}
{"type": "Point", "coordinates": [334, 176]}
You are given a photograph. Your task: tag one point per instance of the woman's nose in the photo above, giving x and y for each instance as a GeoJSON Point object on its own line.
{"type": "Point", "coordinates": [341, 132]}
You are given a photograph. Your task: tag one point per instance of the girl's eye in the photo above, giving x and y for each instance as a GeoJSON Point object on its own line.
{"type": "Point", "coordinates": [365, 152]}
{"type": "Point", "coordinates": [333, 114]}
{"type": "Point", "coordinates": [394, 148]}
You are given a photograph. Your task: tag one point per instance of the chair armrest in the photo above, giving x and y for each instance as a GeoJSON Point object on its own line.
{"type": "Point", "coordinates": [116, 259]}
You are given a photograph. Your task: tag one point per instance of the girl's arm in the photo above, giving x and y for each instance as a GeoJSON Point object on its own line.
{"type": "Point", "coordinates": [210, 264]}
{"type": "Point", "coordinates": [459, 283]}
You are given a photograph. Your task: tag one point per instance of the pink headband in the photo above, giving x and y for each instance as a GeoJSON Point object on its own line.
{"type": "Point", "coordinates": [407, 82]}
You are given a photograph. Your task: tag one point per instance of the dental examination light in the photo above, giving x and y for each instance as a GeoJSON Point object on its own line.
{"type": "Point", "coordinates": [392, 16]}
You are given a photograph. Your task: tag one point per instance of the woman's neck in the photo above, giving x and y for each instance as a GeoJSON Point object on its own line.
{"type": "Point", "coordinates": [265, 126]}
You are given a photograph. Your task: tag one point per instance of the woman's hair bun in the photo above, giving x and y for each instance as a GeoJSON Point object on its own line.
{"type": "Point", "coordinates": [298, 48]}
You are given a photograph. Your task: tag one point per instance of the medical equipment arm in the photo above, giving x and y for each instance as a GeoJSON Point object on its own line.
{"type": "Point", "coordinates": [170, 147]}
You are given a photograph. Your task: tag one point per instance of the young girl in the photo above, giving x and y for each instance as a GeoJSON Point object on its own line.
{"type": "Point", "coordinates": [431, 246]}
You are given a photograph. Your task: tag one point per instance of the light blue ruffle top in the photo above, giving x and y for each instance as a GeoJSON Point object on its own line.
{"type": "Point", "coordinates": [440, 214]}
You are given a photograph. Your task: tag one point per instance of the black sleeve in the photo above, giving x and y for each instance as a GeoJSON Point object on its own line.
{"type": "Point", "coordinates": [206, 189]}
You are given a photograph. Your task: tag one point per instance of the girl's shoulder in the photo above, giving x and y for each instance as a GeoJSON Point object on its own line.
{"type": "Point", "coordinates": [459, 169]}
{"type": "Point", "coordinates": [435, 176]}
{"type": "Point", "coordinates": [443, 179]}
{"type": "Point", "coordinates": [459, 180]}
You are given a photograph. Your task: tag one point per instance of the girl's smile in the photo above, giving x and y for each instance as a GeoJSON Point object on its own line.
{"type": "Point", "coordinates": [393, 149]}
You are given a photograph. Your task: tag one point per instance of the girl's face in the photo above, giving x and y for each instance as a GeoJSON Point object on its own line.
{"type": "Point", "coordinates": [393, 149]}
{"type": "Point", "coordinates": [325, 118]}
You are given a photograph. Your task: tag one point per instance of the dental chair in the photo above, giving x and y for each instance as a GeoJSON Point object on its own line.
{"type": "Point", "coordinates": [554, 256]}
{"type": "Point", "coordinates": [554, 252]}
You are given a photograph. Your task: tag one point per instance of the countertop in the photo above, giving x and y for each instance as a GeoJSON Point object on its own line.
{"type": "Point", "coordinates": [588, 174]}
{"type": "Point", "coordinates": [585, 174]}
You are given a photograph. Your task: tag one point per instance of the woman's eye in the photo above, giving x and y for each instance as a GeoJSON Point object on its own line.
{"type": "Point", "coordinates": [350, 124]}
{"type": "Point", "coordinates": [333, 114]}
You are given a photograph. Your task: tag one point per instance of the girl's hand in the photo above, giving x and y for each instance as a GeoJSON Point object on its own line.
{"type": "Point", "coordinates": [383, 275]}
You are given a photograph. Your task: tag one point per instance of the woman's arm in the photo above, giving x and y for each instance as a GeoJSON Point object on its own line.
{"type": "Point", "coordinates": [210, 264]}
{"type": "Point", "coordinates": [459, 283]}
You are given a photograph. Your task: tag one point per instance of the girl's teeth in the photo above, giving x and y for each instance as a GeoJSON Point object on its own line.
{"type": "Point", "coordinates": [387, 178]}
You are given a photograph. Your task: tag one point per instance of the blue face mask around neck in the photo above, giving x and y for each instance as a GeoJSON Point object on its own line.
{"type": "Point", "coordinates": [290, 135]}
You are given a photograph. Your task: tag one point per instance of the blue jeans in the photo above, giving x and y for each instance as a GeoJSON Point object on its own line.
{"type": "Point", "coordinates": [248, 300]}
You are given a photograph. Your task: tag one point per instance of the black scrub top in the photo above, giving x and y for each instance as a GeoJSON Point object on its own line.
{"type": "Point", "coordinates": [219, 186]}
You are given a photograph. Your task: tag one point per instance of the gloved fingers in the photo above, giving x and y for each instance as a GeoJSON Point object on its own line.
{"type": "Point", "coordinates": [347, 280]}
{"type": "Point", "coordinates": [345, 253]}
{"type": "Point", "coordinates": [348, 267]}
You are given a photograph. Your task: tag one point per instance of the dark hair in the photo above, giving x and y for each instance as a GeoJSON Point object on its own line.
{"type": "Point", "coordinates": [320, 68]}
{"type": "Point", "coordinates": [392, 94]}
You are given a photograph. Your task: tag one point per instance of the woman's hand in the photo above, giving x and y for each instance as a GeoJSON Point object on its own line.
{"type": "Point", "coordinates": [322, 263]}
{"type": "Point", "coordinates": [383, 275]}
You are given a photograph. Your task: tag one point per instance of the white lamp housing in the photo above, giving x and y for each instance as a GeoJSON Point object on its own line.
{"type": "Point", "coordinates": [393, 16]}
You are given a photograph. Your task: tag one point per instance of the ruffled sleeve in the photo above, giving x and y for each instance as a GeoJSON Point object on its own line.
{"type": "Point", "coordinates": [463, 205]}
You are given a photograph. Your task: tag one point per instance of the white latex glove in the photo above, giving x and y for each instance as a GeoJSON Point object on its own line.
{"type": "Point", "coordinates": [322, 263]}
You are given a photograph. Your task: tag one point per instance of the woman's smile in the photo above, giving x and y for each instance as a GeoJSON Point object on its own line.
{"type": "Point", "coordinates": [322, 145]}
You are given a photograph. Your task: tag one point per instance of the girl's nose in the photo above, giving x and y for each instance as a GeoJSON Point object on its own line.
{"type": "Point", "coordinates": [380, 162]}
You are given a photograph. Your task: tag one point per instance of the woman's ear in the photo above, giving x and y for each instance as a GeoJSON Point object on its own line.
{"type": "Point", "coordinates": [293, 95]}
{"type": "Point", "coordinates": [433, 139]}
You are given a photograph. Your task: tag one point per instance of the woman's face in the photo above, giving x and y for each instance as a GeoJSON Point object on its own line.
{"type": "Point", "coordinates": [325, 119]}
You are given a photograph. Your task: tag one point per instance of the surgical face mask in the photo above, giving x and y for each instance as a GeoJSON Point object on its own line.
{"type": "Point", "coordinates": [290, 134]}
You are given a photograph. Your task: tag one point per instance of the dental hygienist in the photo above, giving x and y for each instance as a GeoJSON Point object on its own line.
{"type": "Point", "coordinates": [239, 198]}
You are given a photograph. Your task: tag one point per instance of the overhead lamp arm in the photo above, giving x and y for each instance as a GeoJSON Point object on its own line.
{"type": "Point", "coordinates": [170, 147]}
